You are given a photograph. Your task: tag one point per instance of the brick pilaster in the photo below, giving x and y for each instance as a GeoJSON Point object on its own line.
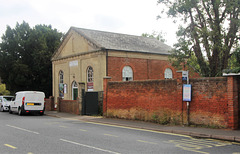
{"type": "Point", "coordinates": [232, 90]}
{"type": "Point", "coordinates": [105, 90]}
{"type": "Point", "coordinates": [81, 97]}
{"type": "Point", "coordinates": [59, 104]}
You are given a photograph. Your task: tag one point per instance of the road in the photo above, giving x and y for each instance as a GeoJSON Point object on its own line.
{"type": "Point", "coordinates": [44, 134]}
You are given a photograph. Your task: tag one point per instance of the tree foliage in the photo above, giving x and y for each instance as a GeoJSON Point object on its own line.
{"type": "Point", "coordinates": [157, 35]}
{"type": "Point", "coordinates": [234, 62]}
{"type": "Point", "coordinates": [25, 57]}
{"type": "Point", "coordinates": [3, 90]}
{"type": "Point", "coordinates": [209, 34]}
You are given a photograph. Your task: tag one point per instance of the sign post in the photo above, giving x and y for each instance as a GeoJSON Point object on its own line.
{"type": "Point", "coordinates": [187, 97]}
{"type": "Point", "coordinates": [187, 92]}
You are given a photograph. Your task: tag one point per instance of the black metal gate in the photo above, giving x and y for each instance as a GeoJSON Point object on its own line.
{"type": "Point", "coordinates": [90, 105]}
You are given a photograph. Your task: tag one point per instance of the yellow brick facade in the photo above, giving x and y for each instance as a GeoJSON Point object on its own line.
{"type": "Point", "coordinates": [73, 58]}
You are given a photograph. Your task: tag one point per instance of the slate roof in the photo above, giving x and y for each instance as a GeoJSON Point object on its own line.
{"type": "Point", "coordinates": [123, 42]}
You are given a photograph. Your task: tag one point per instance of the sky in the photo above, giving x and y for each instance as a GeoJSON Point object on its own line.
{"type": "Point", "coordinates": [133, 17]}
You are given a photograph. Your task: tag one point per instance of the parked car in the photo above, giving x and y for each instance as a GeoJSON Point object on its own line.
{"type": "Point", "coordinates": [28, 102]}
{"type": "Point", "coordinates": [5, 102]}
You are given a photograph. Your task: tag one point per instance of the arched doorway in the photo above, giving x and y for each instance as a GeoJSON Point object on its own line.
{"type": "Point", "coordinates": [74, 90]}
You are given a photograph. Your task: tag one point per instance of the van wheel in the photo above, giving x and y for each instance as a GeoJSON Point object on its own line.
{"type": "Point", "coordinates": [19, 111]}
{"type": "Point", "coordinates": [10, 111]}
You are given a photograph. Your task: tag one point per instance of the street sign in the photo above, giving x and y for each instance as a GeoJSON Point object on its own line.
{"type": "Point", "coordinates": [90, 86]}
{"type": "Point", "coordinates": [187, 92]}
{"type": "Point", "coordinates": [185, 75]}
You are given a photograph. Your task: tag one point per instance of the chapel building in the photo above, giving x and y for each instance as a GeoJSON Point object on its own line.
{"type": "Point", "coordinates": [87, 56]}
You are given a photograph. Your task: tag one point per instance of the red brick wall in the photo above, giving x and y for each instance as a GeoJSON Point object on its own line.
{"type": "Point", "coordinates": [142, 68]}
{"type": "Point", "coordinates": [161, 101]}
{"type": "Point", "coordinates": [49, 104]}
{"type": "Point", "coordinates": [209, 104]}
{"type": "Point", "coordinates": [144, 100]}
{"type": "Point", "coordinates": [69, 106]}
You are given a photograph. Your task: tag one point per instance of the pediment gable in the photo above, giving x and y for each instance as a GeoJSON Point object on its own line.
{"type": "Point", "coordinates": [73, 44]}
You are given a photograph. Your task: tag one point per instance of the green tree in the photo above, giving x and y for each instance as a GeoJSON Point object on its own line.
{"type": "Point", "coordinates": [234, 62]}
{"type": "Point", "coordinates": [25, 57]}
{"type": "Point", "coordinates": [209, 33]}
{"type": "Point", "coordinates": [3, 90]}
{"type": "Point", "coordinates": [158, 35]}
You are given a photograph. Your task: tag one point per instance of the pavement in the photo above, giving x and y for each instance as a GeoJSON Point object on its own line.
{"type": "Point", "coordinates": [221, 134]}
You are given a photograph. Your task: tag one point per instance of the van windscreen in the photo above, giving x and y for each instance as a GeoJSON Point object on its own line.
{"type": "Point", "coordinates": [7, 98]}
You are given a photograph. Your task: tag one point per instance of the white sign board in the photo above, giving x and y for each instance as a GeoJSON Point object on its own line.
{"type": "Point", "coordinates": [65, 88]}
{"type": "Point", "coordinates": [187, 92]}
{"type": "Point", "coordinates": [73, 63]}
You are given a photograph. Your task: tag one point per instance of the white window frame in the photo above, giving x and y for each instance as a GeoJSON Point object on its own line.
{"type": "Point", "coordinates": [168, 73]}
{"type": "Point", "coordinates": [127, 73]}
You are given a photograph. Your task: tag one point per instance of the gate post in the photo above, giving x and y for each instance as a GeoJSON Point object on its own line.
{"type": "Point", "coordinates": [232, 92]}
{"type": "Point", "coordinates": [50, 104]}
{"type": "Point", "coordinates": [105, 90]}
{"type": "Point", "coordinates": [81, 97]}
{"type": "Point", "coordinates": [59, 104]}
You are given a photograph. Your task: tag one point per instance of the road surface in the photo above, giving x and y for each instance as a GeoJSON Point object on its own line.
{"type": "Point", "coordinates": [33, 134]}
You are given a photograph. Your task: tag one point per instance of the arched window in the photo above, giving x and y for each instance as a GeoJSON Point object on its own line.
{"type": "Point", "coordinates": [74, 90]}
{"type": "Point", "coordinates": [127, 73]}
{"type": "Point", "coordinates": [90, 74]}
{"type": "Point", "coordinates": [61, 86]}
{"type": "Point", "coordinates": [61, 76]}
{"type": "Point", "coordinates": [168, 73]}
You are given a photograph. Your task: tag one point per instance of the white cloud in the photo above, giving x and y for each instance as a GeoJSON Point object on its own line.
{"type": "Point", "coordinates": [122, 16]}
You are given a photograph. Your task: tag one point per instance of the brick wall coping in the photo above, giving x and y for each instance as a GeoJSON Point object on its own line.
{"type": "Point", "coordinates": [209, 78]}
{"type": "Point", "coordinates": [142, 81]}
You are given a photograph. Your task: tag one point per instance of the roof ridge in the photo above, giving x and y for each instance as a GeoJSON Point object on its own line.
{"type": "Point", "coordinates": [114, 33]}
{"type": "Point", "coordinates": [119, 41]}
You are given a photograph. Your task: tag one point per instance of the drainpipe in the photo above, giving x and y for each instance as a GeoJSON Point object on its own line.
{"type": "Point", "coordinates": [106, 50]}
{"type": "Point", "coordinates": [106, 62]}
{"type": "Point", "coordinates": [188, 112]}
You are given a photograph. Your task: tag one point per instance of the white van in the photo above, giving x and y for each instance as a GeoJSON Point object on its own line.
{"type": "Point", "coordinates": [28, 102]}
{"type": "Point", "coordinates": [5, 102]}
